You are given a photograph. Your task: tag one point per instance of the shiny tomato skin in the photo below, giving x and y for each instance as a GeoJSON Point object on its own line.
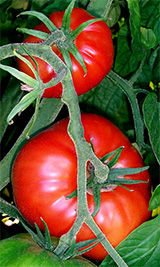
{"type": "Point", "coordinates": [21, 251]}
{"type": "Point", "coordinates": [94, 44]}
{"type": "Point", "coordinates": [45, 172]}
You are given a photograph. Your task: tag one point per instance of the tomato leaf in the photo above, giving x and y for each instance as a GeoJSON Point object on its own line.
{"type": "Point", "coordinates": [150, 16]}
{"type": "Point", "coordinates": [135, 23]}
{"type": "Point", "coordinates": [155, 199]}
{"type": "Point", "coordinates": [141, 247]}
{"type": "Point", "coordinates": [151, 112]}
{"type": "Point", "coordinates": [148, 37]}
{"type": "Point", "coordinates": [113, 15]}
{"type": "Point", "coordinates": [108, 99]}
{"type": "Point", "coordinates": [125, 61]}
{"type": "Point", "coordinates": [99, 8]}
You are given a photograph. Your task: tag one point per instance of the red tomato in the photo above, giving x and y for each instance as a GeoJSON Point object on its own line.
{"type": "Point", "coordinates": [45, 172]}
{"type": "Point", "coordinates": [94, 44]}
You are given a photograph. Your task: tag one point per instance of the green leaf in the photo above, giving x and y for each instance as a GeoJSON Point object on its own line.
{"type": "Point", "coordinates": [106, 97]}
{"type": "Point", "coordinates": [113, 15]}
{"type": "Point", "coordinates": [148, 38]}
{"type": "Point", "coordinates": [151, 112]}
{"type": "Point", "coordinates": [49, 24]}
{"type": "Point", "coordinates": [150, 18]}
{"type": "Point", "coordinates": [48, 111]}
{"type": "Point", "coordinates": [155, 199]}
{"type": "Point", "coordinates": [125, 62]}
{"type": "Point", "coordinates": [99, 8]}
{"type": "Point", "coordinates": [135, 23]}
{"type": "Point", "coordinates": [141, 248]}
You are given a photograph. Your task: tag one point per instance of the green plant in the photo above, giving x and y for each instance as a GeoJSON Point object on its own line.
{"type": "Point", "coordinates": [128, 96]}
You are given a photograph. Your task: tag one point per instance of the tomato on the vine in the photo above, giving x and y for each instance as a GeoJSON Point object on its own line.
{"type": "Point", "coordinates": [45, 173]}
{"type": "Point", "coordinates": [21, 250]}
{"type": "Point", "coordinates": [94, 44]}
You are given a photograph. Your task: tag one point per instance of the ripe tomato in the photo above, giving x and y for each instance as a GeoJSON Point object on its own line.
{"type": "Point", "coordinates": [21, 250]}
{"type": "Point", "coordinates": [94, 44]}
{"type": "Point", "coordinates": [45, 172]}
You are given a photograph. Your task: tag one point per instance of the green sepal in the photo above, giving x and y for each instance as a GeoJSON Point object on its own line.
{"type": "Point", "coordinates": [74, 51]}
{"type": "Point", "coordinates": [23, 104]}
{"type": "Point", "coordinates": [114, 160]}
{"type": "Point", "coordinates": [49, 24]}
{"type": "Point", "coordinates": [48, 244]}
{"type": "Point", "coordinates": [39, 34]}
{"type": "Point", "coordinates": [67, 17]}
{"type": "Point", "coordinates": [35, 72]}
{"type": "Point", "coordinates": [70, 251]}
{"type": "Point", "coordinates": [84, 244]}
{"type": "Point", "coordinates": [79, 29]}
{"type": "Point", "coordinates": [125, 171]}
{"type": "Point", "coordinates": [97, 197]}
{"type": "Point", "coordinates": [67, 58]}
{"type": "Point", "coordinates": [116, 151]}
{"type": "Point", "coordinates": [21, 76]}
{"type": "Point", "coordinates": [79, 248]}
{"type": "Point", "coordinates": [36, 238]}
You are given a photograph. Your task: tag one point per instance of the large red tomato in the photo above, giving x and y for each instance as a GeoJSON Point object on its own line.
{"type": "Point", "coordinates": [94, 44]}
{"type": "Point", "coordinates": [45, 172]}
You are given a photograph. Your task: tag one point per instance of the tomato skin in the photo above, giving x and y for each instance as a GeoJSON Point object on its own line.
{"type": "Point", "coordinates": [94, 44]}
{"type": "Point", "coordinates": [21, 251]}
{"type": "Point", "coordinates": [45, 172]}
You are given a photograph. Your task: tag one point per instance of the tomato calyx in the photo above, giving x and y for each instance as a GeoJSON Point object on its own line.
{"type": "Point", "coordinates": [45, 242]}
{"type": "Point", "coordinates": [116, 177]}
{"type": "Point", "coordinates": [66, 38]}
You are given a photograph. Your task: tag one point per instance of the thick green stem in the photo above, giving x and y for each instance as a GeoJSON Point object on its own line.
{"type": "Point", "coordinates": [83, 149]}
{"type": "Point", "coordinates": [104, 241]}
{"type": "Point", "coordinates": [84, 153]}
{"type": "Point", "coordinates": [128, 90]}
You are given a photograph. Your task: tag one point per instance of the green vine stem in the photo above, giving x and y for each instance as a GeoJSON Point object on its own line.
{"type": "Point", "coordinates": [84, 153]}
{"type": "Point", "coordinates": [83, 149]}
{"type": "Point", "coordinates": [127, 88]}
